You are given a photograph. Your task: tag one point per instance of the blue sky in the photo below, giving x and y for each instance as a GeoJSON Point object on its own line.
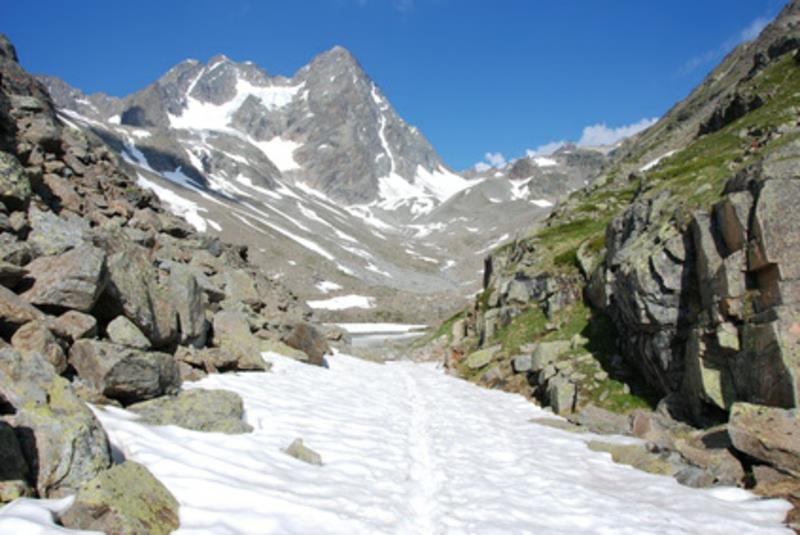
{"type": "Point", "coordinates": [500, 77]}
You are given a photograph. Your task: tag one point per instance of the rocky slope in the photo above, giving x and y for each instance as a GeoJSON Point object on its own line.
{"type": "Point", "coordinates": [319, 171]}
{"type": "Point", "coordinates": [671, 282]}
{"type": "Point", "coordinates": [107, 297]}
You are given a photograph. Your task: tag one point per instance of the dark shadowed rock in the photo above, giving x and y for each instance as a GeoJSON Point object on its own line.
{"type": "Point", "coordinates": [125, 500]}
{"type": "Point", "coordinates": [14, 472]}
{"type": "Point", "coordinates": [216, 411]}
{"type": "Point", "coordinates": [71, 280]}
{"type": "Point", "coordinates": [123, 373]}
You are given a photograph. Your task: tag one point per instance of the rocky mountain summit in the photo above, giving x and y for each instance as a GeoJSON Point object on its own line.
{"type": "Point", "coordinates": [319, 171]}
{"type": "Point", "coordinates": [107, 297]}
{"type": "Point", "coordinates": [661, 301]}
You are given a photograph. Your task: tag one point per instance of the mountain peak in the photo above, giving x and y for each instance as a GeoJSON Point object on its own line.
{"type": "Point", "coordinates": [7, 50]}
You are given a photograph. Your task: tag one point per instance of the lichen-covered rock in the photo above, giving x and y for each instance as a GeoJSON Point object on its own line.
{"type": "Point", "coordinates": [240, 287]}
{"type": "Point", "coordinates": [309, 340]}
{"type": "Point", "coordinates": [52, 235]}
{"type": "Point", "coordinates": [561, 394]}
{"type": "Point", "coordinates": [71, 280]}
{"type": "Point", "coordinates": [15, 188]}
{"type": "Point", "coordinates": [769, 434]}
{"type": "Point", "coordinates": [482, 357]}
{"type": "Point", "coordinates": [301, 452]}
{"type": "Point", "coordinates": [125, 500]}
{"type": "Point", "coordinates": [35, 337]}
{"type": "Point", "coordinates": [635, 455]}
{"type": "Point", "coordinates": [217, 411]}
{"type": "Point", "coordinates": [123, 373]}
{"type": "Point", "coordinates": [122, 331]}
{"type": "Point", "coordinates": [16, 311]}
{"type": "Point", "coordinates": [63, 443]}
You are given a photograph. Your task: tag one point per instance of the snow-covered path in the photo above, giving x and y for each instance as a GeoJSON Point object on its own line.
{"type": "Point", "coordinates": [409, 450]}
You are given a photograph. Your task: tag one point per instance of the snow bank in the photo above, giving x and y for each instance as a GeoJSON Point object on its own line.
{"type": "Point", "coordinates": [344, 301]}
{"type": "Point", "coordinates": [409, 450]}
{"type": "Point", "coordinates": [35, 517]}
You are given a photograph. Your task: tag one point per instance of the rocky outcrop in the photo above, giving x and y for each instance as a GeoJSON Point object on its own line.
{"type": "Point", "coordinates": [105, 296]}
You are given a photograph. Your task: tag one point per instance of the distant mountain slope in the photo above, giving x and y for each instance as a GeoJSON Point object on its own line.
{"type": "Point", "coordinates": [318, 170]}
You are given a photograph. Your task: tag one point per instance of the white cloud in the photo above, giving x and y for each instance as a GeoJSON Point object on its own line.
{"type": "Point", "coordinates": [600, 134]}
{"type": "Point", "coordinates": [545, 150]}
{"type": "Point", "coordinates": [490, 160]}
{"type": "Point", "coordinates": [747, 33]}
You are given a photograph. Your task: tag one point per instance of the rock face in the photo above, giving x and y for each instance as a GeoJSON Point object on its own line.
{"type": "Point", "coordinates": [126, 499]}
{"type": "Point", "coordinates": [217, 411]}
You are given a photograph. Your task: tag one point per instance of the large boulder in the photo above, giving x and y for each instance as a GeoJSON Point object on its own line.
{"type": "Point", "coordinates": [309, 340]}
{"type": "Point", "coordinates": [71, 280]}
{"type": "Point", "coordinates": [482, 357]}
{"type": "Point", "coordinates": [218, 411]}
{"type": "Point", "coordinates": [232, 334]}
{"type": "Point", "coordinates": [240, 287]}
{"type": "Point", "coordinates": [123, 373]}
{"type": "Point", "coordinates": [775, 224]}
{"type": "Point", "coordinates": [63, 443]}
{"type": "Point", "coordinates": [125, 500]}
{"type": "Point", "coordinates": [768, 434]}
{"type": "Point", "coordinates": [548, 352]}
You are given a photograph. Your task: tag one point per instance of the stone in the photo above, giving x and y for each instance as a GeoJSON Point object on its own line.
{"type": "Point", "coordinates": [547, 353]}
{"type": "Point", "coordinates": [210, 359]}
{"type": "Point", "coordinates": [482, 357]}
{"type": "Point", "coordinates": [301, 452]}
{"type": "Point", "coordinates": [14, 471]}
{"type": "Point", "coordinates": [126, 499]}
{"type": "Point", "coordinates": [123, 373]}
{"type": "Point", "coordinates": [635, 455]}
{"type": "Point", "coordinates": [706, 379]}
{"type": "Point", "coordinates": [15, 188]}
{"type": "Point", "coordinates": [518, 292]}
{"type": "Point", "coordinates": [775, 224]}
{"type": "Point", "coordinates": [561, 394]}
{"type": "Point", "coordinates": [128, 291]}
{"type": "Point", "coordinates": [187, 296]}
{"type": "Point", "coordinates": [72, 280]}
{"type": "Point", "coordinates": [52, 235]}
{"type": "Point", "coordinates": [769, 434]}
{"type": "Point", "coordinates": [306, 338]}
{"type": "Point", "coordinates": [601, 421]}
{"type": "Point", "coordinates": [11, 274]}
{"type": "Point", "coordinates": [63, 443]}
{"type": "Point", "coordinates": [122, 331]}
{"type": "Point", "coordinates": [720, 466]}
{"type": "Point", "coordinates": [763, 371]}
{"type": "Point", "coordinates": [14, 251]}
{"type": "Point", "coordinates": [75, 325]}
{"type": "Point", "coordinates": [63, 191]}
{"type": "Point", "coordinates": [728, 336]}
{"type": "Point", "coordinates": [522, 363]}
{"type": "Point", "coordinates": [731, 216]}
{"type": "Point", "coordinates": [240, 287]}
{"type": "Point", "coordinates": [16, 311]}
{"type": "Point", "coordinates": [214, 411]}
{"type": "Point", "coordinates": [276, 346]}
{"type": "Point", "coordinates": [232, 334]}
{"type": "Point", "coordinates": [35, 337]}
{"type": "Point", "coordinates": [709, 259]}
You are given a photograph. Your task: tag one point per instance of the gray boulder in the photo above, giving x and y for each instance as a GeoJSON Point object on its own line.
{"type": "Point", "coordinates": [561, 394]}
{"type": "Point", "coordinates": [216, 411]}
{"type": "Point", "coordinates": [301, 452]}
{"type": "Point", "coordinates": [547, 353]}
{"type": "Point", "coordinates": [75, 325]}
{"type": "Point", "coordinates": [127, 499]}
{"type": "Point", "coordinates": [601, 421]}
{"type": "Point", "coordinates": [522, 363]}
{"type": "Point", "coordinates": [122, 331]}
{"type": "Point", "coordinates": [123, 373]}
{"type": "Point", "coordinates": [52, 235]}
{"type": "Point", "coordinates": [16, 311]}
{"type": "Point", "coordinates": [63, 443]}
{"type": "Point", "coordinates": [71, 280]}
